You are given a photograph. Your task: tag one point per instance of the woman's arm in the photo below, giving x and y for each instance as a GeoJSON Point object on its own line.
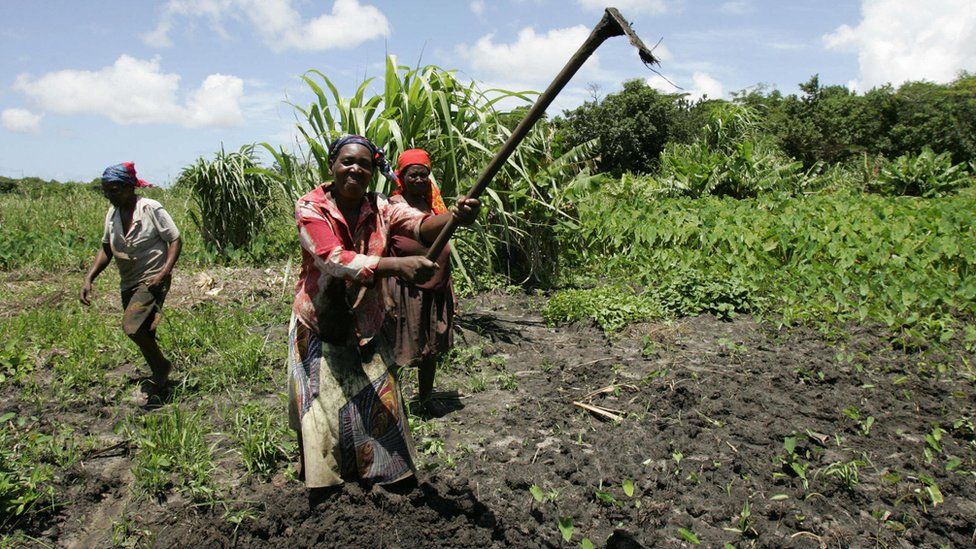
{"type": "Point", "coordinates": [316, 236]}
{"type": "Point", "coordinates": [465, 210]}
{"type": "Point", "coordinates": [102, 259]}
{"type": "Point", "coordinates": [416, 268]}
{"type": "Point", "coordinates": [173, 250]}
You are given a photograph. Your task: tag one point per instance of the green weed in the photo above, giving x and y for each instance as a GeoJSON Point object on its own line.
{"type": "Point", "coordinates": [611, 307]}
{"type": "Point", "coordinates": [263, 440]}
{"type": "Point", "coordinates": [173, 453]}
{"type": "Point", "coordinates": [24, 482]}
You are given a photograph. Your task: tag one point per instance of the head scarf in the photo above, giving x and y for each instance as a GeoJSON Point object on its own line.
{"type": "Point", "coordinates": [124, 174]}
{"type": "Point", "coordinates": [379, 159]}
{"type": "Point", "coordinates": [413, 157]}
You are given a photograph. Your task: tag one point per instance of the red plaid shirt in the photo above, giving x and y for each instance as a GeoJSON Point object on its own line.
{"type": "Point", "coordinates": [338, 263]}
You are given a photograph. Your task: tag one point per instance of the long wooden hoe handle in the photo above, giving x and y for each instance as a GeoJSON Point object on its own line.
{"type": "Point", "coordinates": [612, 24]}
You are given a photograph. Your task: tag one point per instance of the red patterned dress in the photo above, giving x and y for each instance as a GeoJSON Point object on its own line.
{"type": "Point", "coordinates": [343, 401]}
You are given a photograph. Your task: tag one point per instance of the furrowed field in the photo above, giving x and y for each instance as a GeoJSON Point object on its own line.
{"type": "Point", "coordinates": [732, 348]}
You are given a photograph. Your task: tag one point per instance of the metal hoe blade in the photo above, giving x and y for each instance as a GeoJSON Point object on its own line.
{"type": "Point", "coordinates": [643, 51]}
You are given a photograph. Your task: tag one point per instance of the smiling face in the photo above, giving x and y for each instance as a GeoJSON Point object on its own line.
{"type": "Point", "coordinates": [353, 171]}
{"type": "Point", "coordinates": [416, 180]}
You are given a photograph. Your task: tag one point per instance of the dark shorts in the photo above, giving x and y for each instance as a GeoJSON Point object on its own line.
{"type": "Point", "coordinates": [143, 307]}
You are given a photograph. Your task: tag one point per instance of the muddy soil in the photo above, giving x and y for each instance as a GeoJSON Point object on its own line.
{"type": "Point", "coordinates": [665, 435]}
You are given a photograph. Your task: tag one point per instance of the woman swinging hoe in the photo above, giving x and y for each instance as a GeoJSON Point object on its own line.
{"type": "Point", "coordinates": [344, 399]}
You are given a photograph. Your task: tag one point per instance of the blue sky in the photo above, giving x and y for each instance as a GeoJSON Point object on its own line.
{"type": "Point", "coordinates": [88, 84]}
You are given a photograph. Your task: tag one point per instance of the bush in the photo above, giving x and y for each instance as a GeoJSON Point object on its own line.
{"type": "Point", "coordinates": [234, 198]}
{"type": "Point", "coordinates": [689, 292]}
{"type": "Point", "coordinates": [925, 174]}
{"type": "Point", "coordinates": [632, 127]}
{"type": "Point", "coordinates": [730, 159]}
{"type": "Point", "coordinates": [611, 307]}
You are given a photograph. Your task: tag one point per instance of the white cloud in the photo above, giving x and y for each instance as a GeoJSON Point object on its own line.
{"type": "Point", "coordinates": [702, 85]}
{"type": "Point", "coordinates": [627, 7]}
{"type": "Point", "coordinates": [532, 58]}
{"type": "Point", "coordinates": [211, 9]}
{"type": "Point", "coordinates": [135, 91]}
{"type": "Point", "coordinates": [477, 7]}
{"type": "Point", "coordinates": [20, 120]}
{"type": "Point", "coordinates": [900, 40]}
{"type": "Point", "coordinates": [279, 24]}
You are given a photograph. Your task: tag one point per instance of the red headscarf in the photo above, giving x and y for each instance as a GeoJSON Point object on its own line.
{"type": "Point", "coordinates": [411, 157]}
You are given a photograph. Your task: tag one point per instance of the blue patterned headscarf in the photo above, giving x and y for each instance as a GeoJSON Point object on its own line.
{"type": "Point", "coordinates": [123, 174]}
{"type": "Point", "coordinates": [379, 158]}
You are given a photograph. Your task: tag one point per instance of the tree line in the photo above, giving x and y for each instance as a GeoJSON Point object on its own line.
{"type": "Point", "coordinates": [820, 124]}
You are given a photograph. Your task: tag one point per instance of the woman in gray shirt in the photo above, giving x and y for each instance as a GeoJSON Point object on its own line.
{"type": "Point", "coordinates": [145, 243]}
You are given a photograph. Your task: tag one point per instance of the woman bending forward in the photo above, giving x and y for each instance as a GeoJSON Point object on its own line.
{"type": "Point", "coordinates": [344, 399]}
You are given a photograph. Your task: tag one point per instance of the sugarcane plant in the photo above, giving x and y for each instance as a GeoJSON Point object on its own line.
{"type": "Point", "coordinates": [233, 198]}
{"type": "Point", "coordinates": [460, 124]}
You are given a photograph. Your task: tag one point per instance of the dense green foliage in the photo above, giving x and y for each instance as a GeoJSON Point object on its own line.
{"type": "Point", "coordinates": [729, 158]}
{"type": "Point", "coordinates": [632, 126]}
{"type": "Point", "coordinates": [821, 124]}
{"type": "Point", "coordinates": [925, 174]}
{"type": "Point", "coordinates": [832, 123]}
{"type": "Point", "coordinates": [234, 200]}
{"type": "Point", "coordinates": [906, 262]}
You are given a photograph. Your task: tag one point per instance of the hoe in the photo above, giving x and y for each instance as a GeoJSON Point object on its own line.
{"type": "Point", "coordinates": [612, 24]}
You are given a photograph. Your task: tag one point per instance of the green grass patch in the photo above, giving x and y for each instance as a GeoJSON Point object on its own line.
{"type": "Point", "coordinates": [31, 455]}
{"type": "Point", "coordinates": [224, 347]}
{"type": "Point", "coordinates": [173, 453]}
{"type": "Point", "coordinates": [263, 439]}
{"type": "Point", "coordinates": [73, 217]}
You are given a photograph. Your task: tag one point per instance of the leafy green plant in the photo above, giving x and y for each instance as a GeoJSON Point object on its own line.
{"type": "Point", "coordinates": [24, 482]}
{"type": "Point", "coordinates": [234, 199]}
{"type": "Point", "coordinates": [926, 174]}
{"type": "Point", "coordinates": [793, 463]}
{"type": "Point", "coordinates": [743, 522]}
{"type": "Point", "coordinates": [477, 383]}
{"type": "Point", "coordinates": [730, 158]}
{"type": "Point", "coordinates": [508, 382]}
{"type": "Point", "coordinates": [933, 442]}
{"type": "Point", "coordinates": [687, 535]}
{"type": "Point", "coordinates": [628, 486]}
{"type": "Point", "coordinates": [689, 292]}
{"type": "Point", "coordinates": [172, 452]}
{"type": "Point", "coordinates": [907, 264]}
{"type": "Point", "coordinates": [15, 365]}
{"type": "Point", "coordinates": [537, 493]}
{"type": "Point", "coordinates": [864, 423]}
{"type": "Point", "coordinates": [611, 307]}
{"type": "Point", "coordinates": [566, 528]}
{"type": "Point", "coordinates": [261, 438]}
{"type": "Point", "coordinates": [847, 472]}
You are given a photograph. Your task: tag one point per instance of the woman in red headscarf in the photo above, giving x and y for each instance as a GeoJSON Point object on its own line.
{"type": "Point", "coordinates": [421, 316]}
